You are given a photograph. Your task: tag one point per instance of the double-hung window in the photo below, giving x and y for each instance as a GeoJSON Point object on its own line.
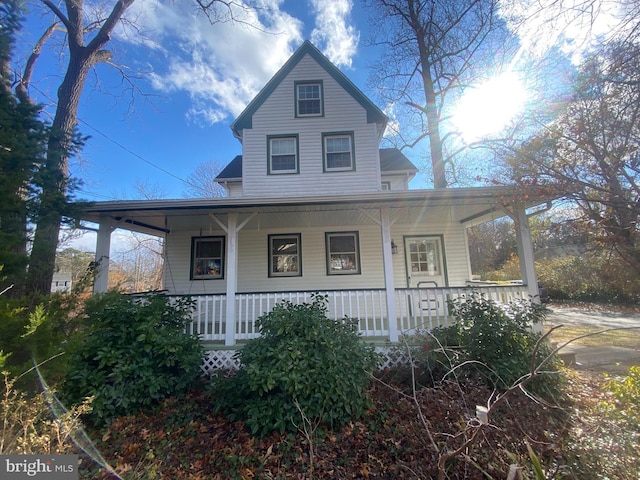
{"type": "Point", "coordinates": [282, 152]}
{"type": "Point", "coordinates": [207, 257]}
{"type": "Point", "coordinates": [285, 255]}
{"type": "Point", "coordinates": [309, 101]}
{"type": "Point", "coordinates": [338, 151]}
{"type": "Point", "coordinates": [343, 253]}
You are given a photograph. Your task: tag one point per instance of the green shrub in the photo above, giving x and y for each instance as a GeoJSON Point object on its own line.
{"type": "Point", "coordinates": [626, 393]}
{"type": "Point", "coordinates": [41, 330]}
{"type": "Point", "coordinates": [493, 339]}
{"type": "Point", "coordinates": [135, 353]}
{"type": "Point", "coordinates": [303, 364]}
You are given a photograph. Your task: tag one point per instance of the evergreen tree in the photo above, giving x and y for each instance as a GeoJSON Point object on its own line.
{"type": "Point", "coordinates": [22, 142]}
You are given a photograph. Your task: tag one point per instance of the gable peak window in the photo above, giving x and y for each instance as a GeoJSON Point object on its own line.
{"type": "Point", "coordinates": [282, 154]}
{"type": "Point", "coordinates": [309, 100]}
{"type": "Point", "coordinates": [338, 152]}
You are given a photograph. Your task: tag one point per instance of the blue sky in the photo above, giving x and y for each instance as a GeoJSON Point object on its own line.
{"type": "Point", "coordinates": [188, 80]}
{"type": "Point", "coordinates": [191, 79]}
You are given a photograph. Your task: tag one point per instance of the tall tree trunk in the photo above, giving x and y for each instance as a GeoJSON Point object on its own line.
{"type": "Point", "coordinates": [55, 173]}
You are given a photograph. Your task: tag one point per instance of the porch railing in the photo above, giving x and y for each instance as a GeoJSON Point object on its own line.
{"type": "Point", "coordinates": [416, 308]}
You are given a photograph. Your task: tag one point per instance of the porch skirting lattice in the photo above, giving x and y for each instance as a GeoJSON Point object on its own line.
{"type": "Point", "coordinates": [215, 360]}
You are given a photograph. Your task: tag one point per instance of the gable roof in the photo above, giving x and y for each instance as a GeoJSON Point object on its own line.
{"type": "Point", "coordinates": [391, 160]}
{"type": "Point", "coordinates": [245, 119]}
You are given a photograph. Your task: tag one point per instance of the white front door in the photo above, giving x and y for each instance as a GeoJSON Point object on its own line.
{"type": "Point", "coordinates": [423, 257]}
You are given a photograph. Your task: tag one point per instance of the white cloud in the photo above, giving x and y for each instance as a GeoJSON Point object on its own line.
{"type": "Point", "coordinates": [338, 39]}
{"type": "Point", "coordinates": [221, 66]}
{"type": "Point", "coordinates": [568, 24]}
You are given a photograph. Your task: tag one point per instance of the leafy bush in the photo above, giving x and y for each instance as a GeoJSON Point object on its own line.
{"type": "Point", "coordinates": [494, 339]}
{"type": "Point", "coordinates": [594, 277]}
{"type": "Point", "coordinates": [626, 392]}
{"type": "Point", "coordinates": [135, 353]}
{"type": "Point", "coordinates": [303, 365]}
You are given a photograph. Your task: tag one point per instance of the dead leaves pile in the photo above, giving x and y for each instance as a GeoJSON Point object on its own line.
{"type": "Point", "coordinates": [183, 440]}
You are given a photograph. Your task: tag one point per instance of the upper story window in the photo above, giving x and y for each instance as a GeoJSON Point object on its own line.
{"type": "Point", "coordinates": [386, 186]}
{"type": "Point", "coordinates": [338, 151]}
{"type": "Point", "coordinates": [309, 100]}
{"type": "Point", "coordinates": [207, 254]}
{"type": "Point", "coordinates": [284, 255]}
{"type": "Point", "coordinates": [282, 154]}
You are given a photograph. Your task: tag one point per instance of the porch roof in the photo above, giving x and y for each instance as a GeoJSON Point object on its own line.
{"type": "Point", "coordinates": [464, 205]}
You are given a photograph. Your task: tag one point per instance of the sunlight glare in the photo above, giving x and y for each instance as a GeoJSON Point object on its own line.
{"type": "Point", "coordinates": [487, 109]}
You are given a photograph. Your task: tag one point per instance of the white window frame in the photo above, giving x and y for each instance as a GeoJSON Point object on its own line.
{"type": "Point", "coordinates": [319, 99]}
{"type": "Point", "coordinates": [296, 258]}
{"type": "Point", "coordinates": [270, 155]}
{"type": "Point", "coordinates": [325, 151]}
{"type": "Point", "coordinates": [207, 267]}
{"type": "Point", "coordinates": [343, 262]}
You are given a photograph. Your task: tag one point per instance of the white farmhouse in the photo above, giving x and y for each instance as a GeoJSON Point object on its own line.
{"type": "Point", "coordinates": [314, 205]}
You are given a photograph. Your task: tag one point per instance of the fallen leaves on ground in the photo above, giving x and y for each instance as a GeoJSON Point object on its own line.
{"type": "Point", "coordinates": [184, 440]}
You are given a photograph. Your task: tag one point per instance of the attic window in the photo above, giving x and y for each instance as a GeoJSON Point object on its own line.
{"type": "Point", "coordinates": [308, 99]}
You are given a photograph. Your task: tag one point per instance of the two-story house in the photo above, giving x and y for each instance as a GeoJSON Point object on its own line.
{"type": "Point", "coordinates": [315, 205]}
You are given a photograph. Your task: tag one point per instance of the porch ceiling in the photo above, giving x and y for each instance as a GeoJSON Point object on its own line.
{"type": "Point", "coordinates": [466, 205]}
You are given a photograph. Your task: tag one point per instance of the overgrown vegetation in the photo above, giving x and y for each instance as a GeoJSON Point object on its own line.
{"type": "Point", "coordinates": [303, 367]}
{"type": "Point", "coordinates": [134, 354]}
{"type": "Point", "coordinates": [492, 340]}
{"type": "Point", "coordinates": [28, 427]}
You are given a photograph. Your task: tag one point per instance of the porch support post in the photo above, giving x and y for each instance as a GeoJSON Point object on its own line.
{"type": "Point", "coordinates": [389, 284]}
{"type": "Point", "coordinates": [232, 278]}
{"type": "Point", "coordinates": [525, 252]}
{"type": "Point", "coordinates": [103, 246]}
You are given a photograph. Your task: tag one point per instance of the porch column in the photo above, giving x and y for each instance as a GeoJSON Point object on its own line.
{"type": "Point", "coordinates": [103, 246]}
{"type": "Point", "coordinates": [525, 252]}
{"type": "Point", "coordinates": [232, 278]}
{"type": "Point", "coordinates": [389, 284]}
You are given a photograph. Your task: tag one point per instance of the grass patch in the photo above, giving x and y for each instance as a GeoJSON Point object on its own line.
{"type": "Point", "coordinates": [616, 338]}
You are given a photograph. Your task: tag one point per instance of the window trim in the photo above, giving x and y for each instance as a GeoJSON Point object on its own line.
{"type": "Point", "coordinates": [441, 261]}
{"type": "Point", "coordinates": [275, 236]}
{"type": "Point", "coordinates": [328, 135]}
{"type": "Point", "coordinates": [356, 235]}
{"type": "Point", "coordinates": [296, 106]}
{"type": "Point", "coordinates": [296, 170]}
{"type": "Point", "coordinates": [194, 242]}
{"type": "Point", "coordinates": [387, 184]}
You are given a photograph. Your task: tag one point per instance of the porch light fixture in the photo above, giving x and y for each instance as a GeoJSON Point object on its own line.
{"type": "Point", "coordinates": [394, 248]}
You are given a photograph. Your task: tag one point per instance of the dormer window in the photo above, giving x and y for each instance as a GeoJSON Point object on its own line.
{"type": "Point", "coordinates": [282, 154]}
{"type": "Point", "coordinates": [309, 100]}
{"type": "Point", "coordinates": [338, 151]}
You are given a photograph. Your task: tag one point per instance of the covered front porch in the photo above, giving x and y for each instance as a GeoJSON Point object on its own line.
{"type": "Point", "coordinates": [411, 255]}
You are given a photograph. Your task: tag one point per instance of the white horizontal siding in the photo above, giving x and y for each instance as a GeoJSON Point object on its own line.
{"type": "Point", "coordinates": [398, 182]}
{"type": "Point", "coordinates": [253, 275]}
{"type": "Point", "coordinates": [276, 116]}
